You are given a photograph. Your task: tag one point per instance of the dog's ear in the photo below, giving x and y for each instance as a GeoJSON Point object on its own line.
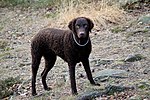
{"type": "Point", "coordinates": [72, 24]}
{"type": "Point", "coordinates": [91, 24]}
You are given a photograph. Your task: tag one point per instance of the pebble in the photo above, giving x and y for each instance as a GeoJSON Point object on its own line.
{"type": "Point", "coordinates": [133, 57]}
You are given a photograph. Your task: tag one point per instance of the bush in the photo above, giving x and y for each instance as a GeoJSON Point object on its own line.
{"type": "Point", "coordinates": [101, 12]}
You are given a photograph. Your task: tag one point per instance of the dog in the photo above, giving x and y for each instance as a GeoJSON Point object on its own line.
{"type": "Point", "coordinates": [73, 46]}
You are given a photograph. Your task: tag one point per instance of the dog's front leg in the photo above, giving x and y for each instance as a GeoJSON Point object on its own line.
{"type": "Point", "coordinates": [86, 65]}
{"type": "Point", "coordinates": [72, 78]}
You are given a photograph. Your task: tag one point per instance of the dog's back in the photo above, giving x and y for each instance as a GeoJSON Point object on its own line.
{"type": "Point", "coordinates": [52, 40]}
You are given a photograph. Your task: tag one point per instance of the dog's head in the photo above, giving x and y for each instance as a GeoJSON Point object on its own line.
{"type": "Point", "coordinates": [81, 26]}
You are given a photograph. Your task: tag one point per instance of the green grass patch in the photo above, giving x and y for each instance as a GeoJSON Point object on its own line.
{"type": "Point", "coordinates": [28, 3]}
{"type": "Point", "coordinates": [1, 28]}
{"type": "Point", "coordinates": [4, 54]}
{"type": "Point", "coordinates": [144, 86]}
{"type": "Point", "coordinates": [3, 44]}
{"type": "Point", "coordinates": [6, 84]}
{"type": "Point", "coordinates": [8, 3]}
{"type": "Point", "coordinates": [51, 15]}
{"type": "Point", "coordinates": [117, 29]}
{"type": "Point", "coordinates": [144, 32]}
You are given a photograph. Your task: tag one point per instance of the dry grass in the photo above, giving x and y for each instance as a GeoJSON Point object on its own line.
{"type": "Point", "coordinates": [101, 12]}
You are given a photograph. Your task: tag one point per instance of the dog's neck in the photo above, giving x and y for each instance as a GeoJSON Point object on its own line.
{"type": "Point", "coordinates": [81, 42]}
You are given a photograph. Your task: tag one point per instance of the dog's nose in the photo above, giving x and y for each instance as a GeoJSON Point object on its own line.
{"type": "Point", "coordinates": [82, 33]}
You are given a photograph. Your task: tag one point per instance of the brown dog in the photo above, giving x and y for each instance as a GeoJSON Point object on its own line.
{"type": "Point", "coordinates": [72, 45]}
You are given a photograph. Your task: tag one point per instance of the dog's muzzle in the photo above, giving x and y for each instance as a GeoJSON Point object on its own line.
{"type": "Point", "coordinates": [81, 34]}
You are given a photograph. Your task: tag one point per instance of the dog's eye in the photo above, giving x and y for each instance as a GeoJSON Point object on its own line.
{"type": "Point", "coordinates": [77, 26]}
{"type": "Point", "coordinates": [85, 26]}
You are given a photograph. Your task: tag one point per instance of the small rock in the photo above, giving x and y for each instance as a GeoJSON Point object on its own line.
{"type": "Point", "coordinates": [135, 97]}
{"type": "Point", "coordinates": [111, 89]}
{"type": "Point", "coordinates": [23, 94]}
{"type": "Point", "coordinates": [24, 64]}
{"type": "Point", "coordinates": [110, 72]}
{"type": "Point", "coordinates": [19, 34]}
{"type": "Point", "coordinates": [89, 95]}
{"type": "Point", "coordinates": [134, 57]}
{"type": "Point", "coordinates": [93, 70]}
{"type": "Point", "coordinates": [81, 75]}
{"type": "Point", "coordinates": [101, 79]}
{"type": "Point", "coordinates": [104, 75]}
{"type": "Point", "coordinates": [146, 71]}
{"type": "Point", "coordinates": [144, 19]}
{"type": "Point", "coordinates": [103, 62]}
{"type": "Point", "coordinates": [128, 3]}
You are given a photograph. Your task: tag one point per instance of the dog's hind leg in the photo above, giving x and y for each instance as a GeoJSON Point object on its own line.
{"type": "Point", "coordinates": [36, 58]}
{"type": "Point", "coordinates": [50, 59]}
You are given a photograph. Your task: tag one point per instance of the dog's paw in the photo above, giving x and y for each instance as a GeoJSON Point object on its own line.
{"type": "Point", "coordinates": [48, 88]}
{"type": "Point", "coordinates": [75, 93]}
{"type": "Point", "coordinates": [96, 84]}
{"type": "Point", "coordinates": [34, 94]}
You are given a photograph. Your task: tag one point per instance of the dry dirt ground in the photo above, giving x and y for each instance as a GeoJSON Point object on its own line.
{"type": "Point", "coordinates": [110, 46]}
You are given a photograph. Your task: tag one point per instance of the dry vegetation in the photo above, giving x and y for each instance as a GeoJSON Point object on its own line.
{"type": "Point", "coordinates": [101, 12]}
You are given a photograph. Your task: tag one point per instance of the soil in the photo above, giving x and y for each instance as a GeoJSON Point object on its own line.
{"type": "Point", "coordinates": [114, 43]}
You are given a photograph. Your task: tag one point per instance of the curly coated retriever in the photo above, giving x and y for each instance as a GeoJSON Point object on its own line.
{"type": "Point", "coordinates": [73, 46]}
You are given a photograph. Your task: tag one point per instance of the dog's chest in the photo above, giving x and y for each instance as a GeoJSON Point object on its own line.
{"type": "Point", "coordinates": [79, 54]}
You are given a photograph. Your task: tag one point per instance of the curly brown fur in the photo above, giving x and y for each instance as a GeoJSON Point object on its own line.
{"type": "Point", "coordinates": [50, 43]}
